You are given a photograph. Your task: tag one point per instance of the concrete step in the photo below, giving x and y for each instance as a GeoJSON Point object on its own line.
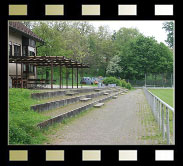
{"type": "Point", "coordinates": [106, 93]}
{"type": "Point", "coordinates": [98, 90]}
{"type": "Point", "coordinates": [98, 105]}
{"type": "Point", "coordinates": [60, 116]}
{"type": "Point", "coordinates": [64, 102]}
{"type": "Point", "coordinates": [85, 99]}
{"type": "Point", "coordinates": [115, 97]}
{"type": "Point", "coordinates": [44, 94]}
{"type": "Point", "coordinates": [71, 93]}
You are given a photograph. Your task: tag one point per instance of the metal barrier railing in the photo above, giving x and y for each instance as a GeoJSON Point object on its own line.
{"type": "Point", "coordinates": [164, 115]}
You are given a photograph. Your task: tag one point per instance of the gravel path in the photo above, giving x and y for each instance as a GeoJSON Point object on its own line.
{"type": "Point", "coordinates": [116, 123]}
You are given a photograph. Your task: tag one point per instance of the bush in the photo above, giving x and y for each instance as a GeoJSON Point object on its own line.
{"type": "Point", "coordinates": [128, 86]}
{"type": "Point", "coordinates": [112, 80]}
{"type": "Point", "coordinates": [123, 83]}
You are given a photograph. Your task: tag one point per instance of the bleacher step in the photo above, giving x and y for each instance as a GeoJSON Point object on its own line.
{"type": "Point", "coordinates": [85, 99]}
{"type": "Point", "coordinates": [98, 90]}
{"type": "Point", "coordinates": [59, 117]}
{"type": "Point", "coordinates": [106, 93]}
{"type": "Point", "coordinates": [98, 105]}
{"type": "Point", "coordinates": [71, 93]}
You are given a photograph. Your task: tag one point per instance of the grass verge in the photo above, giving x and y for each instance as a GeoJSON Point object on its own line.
{"type": "Point", "coordinates": [22, 120]}
{"type": "Point", "coordinates": [152, 133]}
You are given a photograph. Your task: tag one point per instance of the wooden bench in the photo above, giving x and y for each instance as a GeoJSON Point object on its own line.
{"type": "Point", "coordinates": [85, 99]}
{"type": "Point", "coordinates": [98, 105]}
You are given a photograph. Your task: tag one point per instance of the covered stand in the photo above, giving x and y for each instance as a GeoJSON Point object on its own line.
{"type": "Point", "coordinates": [51, 61]}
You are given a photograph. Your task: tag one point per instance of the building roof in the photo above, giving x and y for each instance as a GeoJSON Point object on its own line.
{"type": "Point", "coordinates": [20, 27]}
{"type": "Point", "coordinates": [47, 61]}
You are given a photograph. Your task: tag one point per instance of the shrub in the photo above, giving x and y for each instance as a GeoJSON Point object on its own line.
{"type": "Point", "coordinates": [123, 83]}
{"type": "Point", "coordinates": [128, 86]}
{"type": "Point", "coordinates": [112, 80]}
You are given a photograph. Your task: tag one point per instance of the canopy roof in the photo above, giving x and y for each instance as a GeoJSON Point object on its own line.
{"type": "Point", "coordinates": [47, 61]}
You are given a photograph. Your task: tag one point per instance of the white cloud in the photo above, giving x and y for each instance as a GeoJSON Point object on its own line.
{"type": "Point", "coordinates": [148, 28]}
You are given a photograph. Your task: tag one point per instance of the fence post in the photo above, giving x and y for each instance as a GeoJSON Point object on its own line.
{"type": "Point", "coordinates": [167, 126]}
{"type": "Point", "coordinates": [154, 106]}
{"type": "Point", "coordinates": [157, 107]}
{"type": "Point", "coordinates": [171, 80]}
{"type": "Point", "coordinates": [163, 126]}
{"type": "Point", "coordinates": [160, 116]}
{"type": "Point", "coordinates": [173, 127]}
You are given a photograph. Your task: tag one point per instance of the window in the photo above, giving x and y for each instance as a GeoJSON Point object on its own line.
{"type": "Point", "coordinates": [17, 51]}
{"type": "Point", "coordinates": [31, 53]}
{"type": "Point", "coordinates": [24, 67]}
{"type": "Point", "coordinates": [10, 49]}
{"type": "Point", "coordinates": [32, 43]}
{"type": "Point", "coordinates": [25, 51]}
{"type": "Point", "coordinates": [31, 68]}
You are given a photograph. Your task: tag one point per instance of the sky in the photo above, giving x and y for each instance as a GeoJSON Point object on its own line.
{"type": "Point", "coordinates": [148, 28]}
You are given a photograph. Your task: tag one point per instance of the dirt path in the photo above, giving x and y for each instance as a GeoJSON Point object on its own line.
{"type": "Point", "coordinates": [118, 122]}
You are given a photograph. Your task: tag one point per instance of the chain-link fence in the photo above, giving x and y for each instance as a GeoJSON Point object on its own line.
{"type": "Point", "coordinates": [150, 80]}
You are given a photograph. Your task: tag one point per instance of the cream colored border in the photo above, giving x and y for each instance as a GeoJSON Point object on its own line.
{"type": "Point", "coordinates": [16, 10]}
{"type": "Point", "coordinates": [91, 155]}
{"type": "Point", "coordinates": [90, 10]}
{"type": "Point", "coordinates": [127, 155]}
{"type": "Point", "coordinates": [164, 155]}
{"type": "Point", "coordinates": [164, 10]}
{"type": "Point", "coordinates": [54, 155]}
{"type": "Point", "coordinates": [54, 10]}
{"type": "Point", "coordinates": [127, 10]}
{"type": "Point", "coordinates": [18, 155]}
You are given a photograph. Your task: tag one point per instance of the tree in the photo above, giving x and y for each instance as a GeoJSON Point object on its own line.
{"type": "Point", "coordinates": [169, 28]}
{"type": "Point", "coordinates": [125, 53]}
{"type": "Point", "coordinates": [123, 36]}
{"type": "Point", "coordinates": [113, 68]}
{"type": "Point", "coordinates": [144, 55]}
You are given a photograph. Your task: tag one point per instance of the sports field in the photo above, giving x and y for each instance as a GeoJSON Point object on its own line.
{"type": "Point", "coordinates": [167, 95]}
